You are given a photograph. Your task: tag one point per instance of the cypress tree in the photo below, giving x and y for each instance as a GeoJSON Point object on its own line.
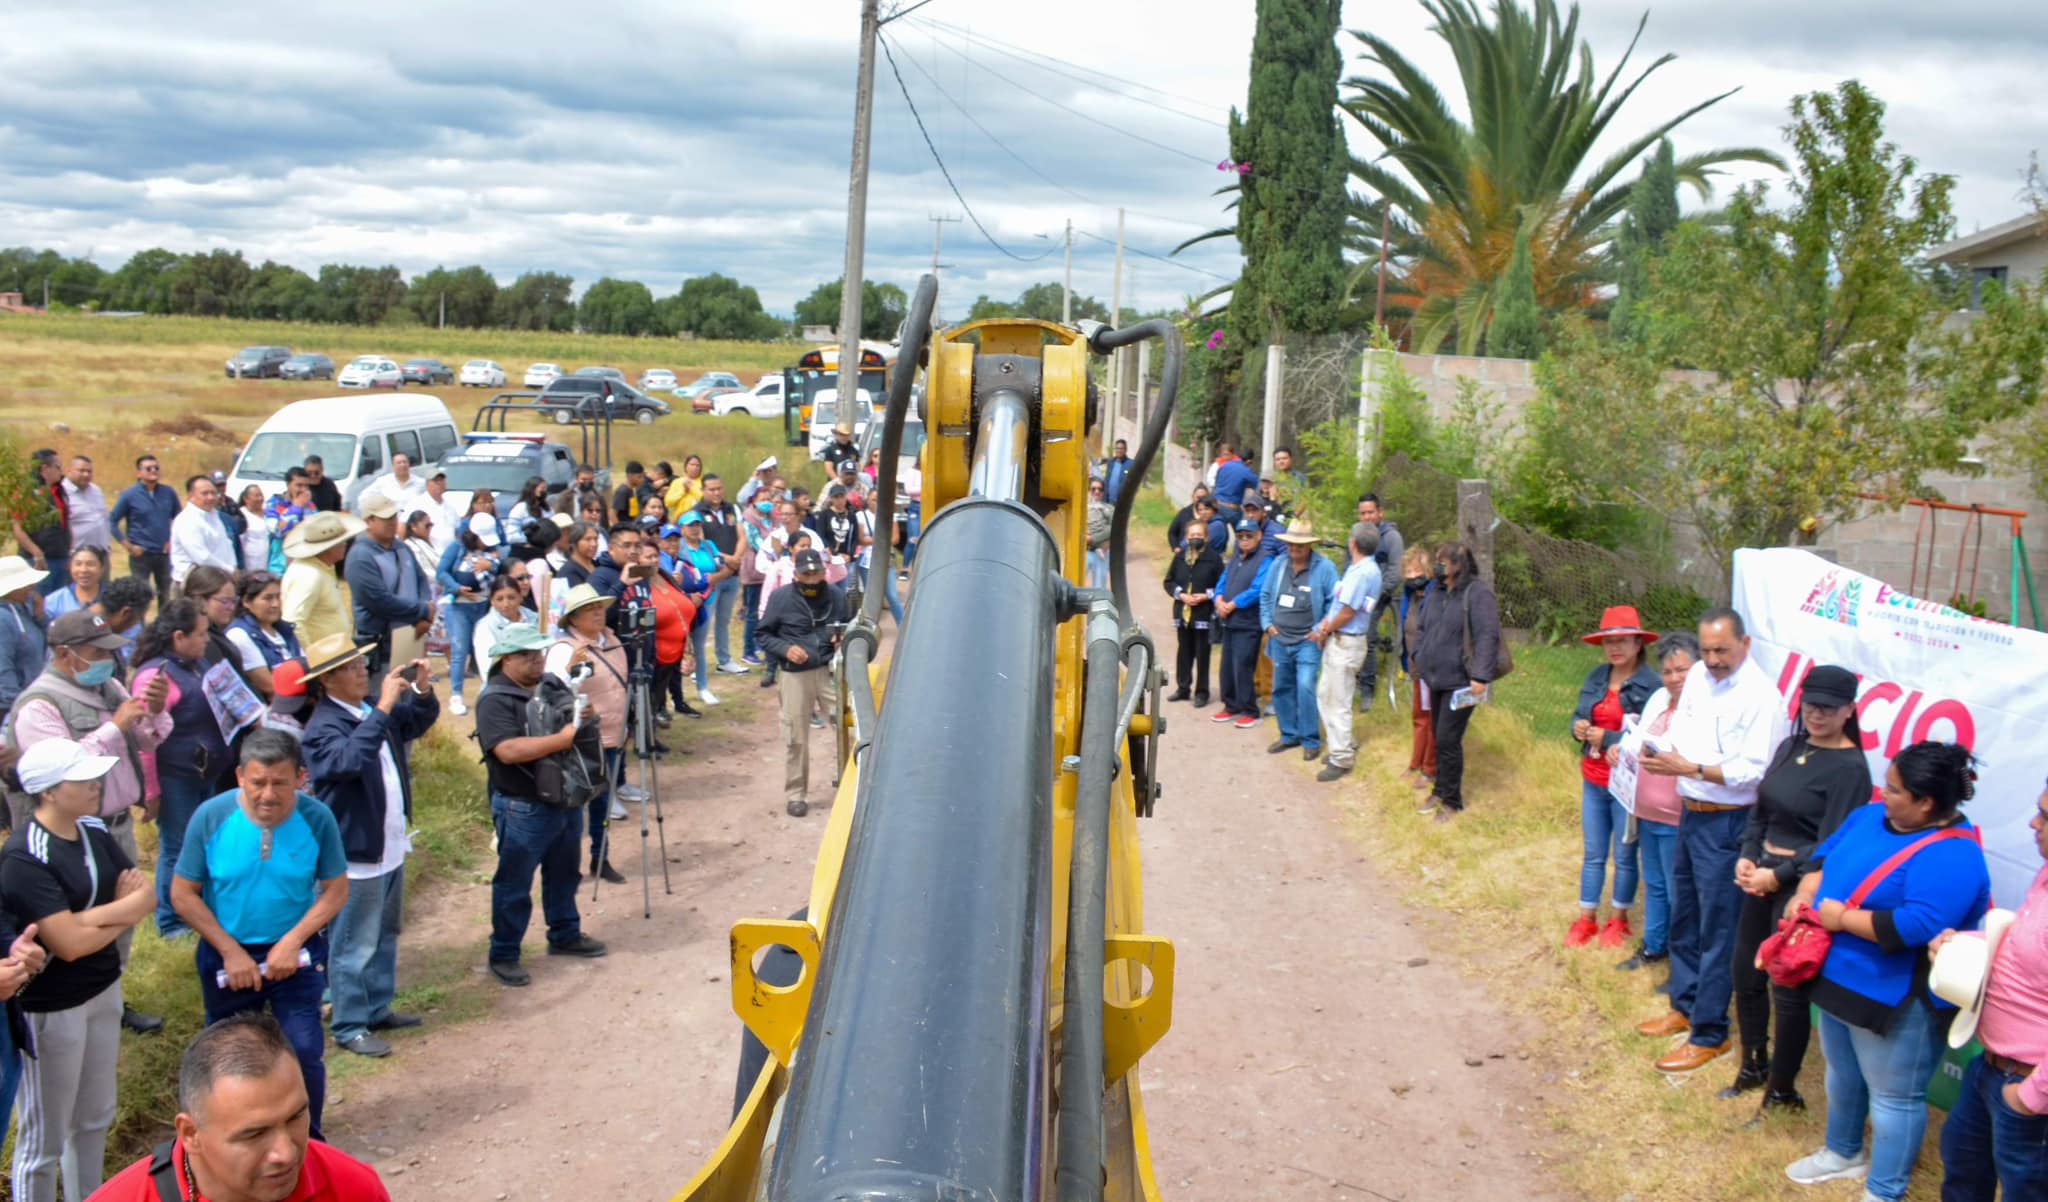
{"type": "Point", "coordinates": [1517, 330]}
{"type": "Point", "coordinates": [1652, 215]}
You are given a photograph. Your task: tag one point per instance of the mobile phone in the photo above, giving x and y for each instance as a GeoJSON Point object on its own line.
{"type": "Point", "coordinates": [410, 674]}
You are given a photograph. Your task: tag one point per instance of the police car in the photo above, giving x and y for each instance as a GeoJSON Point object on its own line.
{"type": "Point", "coordinates": [503, 463]}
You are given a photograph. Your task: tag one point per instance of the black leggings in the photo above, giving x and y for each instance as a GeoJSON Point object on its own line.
{"type": "Point", "coordinates": [1450, 749]}
{"type": "Point", "coordinates": [1191, 659]}
{"type": "Point", "coordinates": [1758, 1002]}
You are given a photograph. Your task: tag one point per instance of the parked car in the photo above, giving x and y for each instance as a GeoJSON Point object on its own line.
{"type": "Point", "coordinates": [657, 379]}
{"type": "Point", "coordinates": [706, 382]}
{"type": "Point", "coordinates": [603, 373]}
{"type": "Point", "coordinates": [763, 400]}
{"type": "Point", "coordinates": [540, 375]}
{"type": "Point", "coordinates": [355, 437]}
{"type": "Point", "coordinates": [370, 371]}
{"type": "Point", "coordinates": [707, 400]}
{"type": "Point", "coordinates": [571, 395]}
{"type": "Point", "coordinates": [257, 361]}
{"type": "Point", "coordinates": [306, 367]}
{"type": "Point", "coordinates": [482, 373]}
{"type": "Point", "coordinates": [502, 463]}
{"type": "Point", "coordinates": [427, 371]}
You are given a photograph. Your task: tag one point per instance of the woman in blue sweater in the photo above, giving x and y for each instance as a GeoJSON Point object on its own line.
{"type": "Point", "coordinates": [1880, 1027]}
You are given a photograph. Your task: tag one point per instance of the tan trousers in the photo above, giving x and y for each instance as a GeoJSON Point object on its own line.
{"type": "Point", "coordinates": [1343, 655]}
{"type": "Point", "coordinates": [800, 693]}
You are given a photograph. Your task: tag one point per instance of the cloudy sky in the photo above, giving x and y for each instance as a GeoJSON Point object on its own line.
{"type": "Point", "coordinates": [660, 139]}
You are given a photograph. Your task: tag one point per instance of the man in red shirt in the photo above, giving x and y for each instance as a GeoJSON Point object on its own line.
{"type": "Point", "coordinates": [242, 1130]}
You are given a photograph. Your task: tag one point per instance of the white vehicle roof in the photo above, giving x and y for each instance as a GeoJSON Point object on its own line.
{"type": "Point", "coordinates": [480, 363]}
{"type": "Point", "coordinates": [356, 414]}
{"type": "Point", "coordinates": [542, 367]}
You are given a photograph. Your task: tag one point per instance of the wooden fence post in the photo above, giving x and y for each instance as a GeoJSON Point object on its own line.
{"type": "Point", "coordinates": [1476, 520]}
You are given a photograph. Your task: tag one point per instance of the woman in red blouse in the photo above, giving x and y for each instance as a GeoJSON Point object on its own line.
{"type": "Point", "coordinates": [1615, 688]}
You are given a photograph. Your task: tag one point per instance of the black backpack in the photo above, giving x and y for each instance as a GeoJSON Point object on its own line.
{"type": "Point", "coordinates": [567, 778]}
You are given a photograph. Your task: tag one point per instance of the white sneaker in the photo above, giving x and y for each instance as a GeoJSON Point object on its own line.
{"type": "Point", "coordinates": [1826, 1165]}
{"type": "Point", "coordinates": [705, 697]}
{"type": "Point", "coordinates": [617, 812]}
{"type": "Point", "coordinates": [734, 669]}
{"type": "Point", "coordinates": [456, 707]}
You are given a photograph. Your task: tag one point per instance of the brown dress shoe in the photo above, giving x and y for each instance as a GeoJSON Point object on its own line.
{"type": "Point", "coordinates": [1673, 1023]}
{"type": "Point", "coordinates": [1692, 1056]}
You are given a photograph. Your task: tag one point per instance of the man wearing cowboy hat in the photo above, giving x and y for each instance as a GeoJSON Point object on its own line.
{"type": "Point", "coordinates": [260, 876]}
{"type": "Point", "coordinates": [1296, 598]}
{"type": "Point", "coordinates": [532, 835]}
{"type": "Point", "coordinates": [23, 645]}
{"type": "Point", "coordinates": [394, 604]}
{"type": "Point", "coordinates": [1343, 635]}
{"type": "Point", "coordinates": [1991, 1142]}
{"type": "Point", "coordinates": [316, 599]}
{"type": "Point", "coordinates": [357, 762]}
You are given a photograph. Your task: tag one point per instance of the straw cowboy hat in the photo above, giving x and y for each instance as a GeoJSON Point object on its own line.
{"type": "Point", "coordinates": [1300, 533]}
{"type": "Point", "coordinates": [18, 573]}
{"type": "Point", "coordinates": [1619, 621]}
{"type": "Point", "coordinates": [582, 597]}
{"type": "Point", "coordinates": [1962, 969]}
{"type": "Point", "coordinates": [320, 532]}
{"type": "Point", "coordinates": [327, 654]}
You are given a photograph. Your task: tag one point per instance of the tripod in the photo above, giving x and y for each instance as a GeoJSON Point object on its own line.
{"type": "Point", "coordinates": [640, 710]}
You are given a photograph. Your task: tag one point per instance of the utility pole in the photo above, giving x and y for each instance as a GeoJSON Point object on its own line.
{"type": "Point", "coordinates": [1116, 360]}
{"type": "Point", "coordinates": [1067, 288]}
{"type": "Point", "coordinates": [857, 217]}
{"type": "Point", "coordinates": [444, 309]}
{"type": "Point", "coordinates": [938, 227]}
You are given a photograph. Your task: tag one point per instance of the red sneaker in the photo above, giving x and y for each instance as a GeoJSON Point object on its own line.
{"type": "Point", "coordinates": [1222, 716]}
{"type": "Point", "coordinates": [1582, 932]}
{"type": "Point", "coordinates": [1246, 721]}
{"type": "Point", "coordinates": [1616, 932]}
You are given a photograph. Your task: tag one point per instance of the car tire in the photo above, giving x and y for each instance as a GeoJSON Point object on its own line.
{"type": "Point", "coordinates": [562, 417]}
{"type": "Point", "coordinates": [645, 417]}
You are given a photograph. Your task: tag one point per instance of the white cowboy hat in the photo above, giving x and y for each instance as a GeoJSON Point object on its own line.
{"type": "Point", "coordinates": [18, 573]}
{"type": "Point", "coordinates": [1962, 970]}
{"type": "Point", "coordinates": [319, 532]}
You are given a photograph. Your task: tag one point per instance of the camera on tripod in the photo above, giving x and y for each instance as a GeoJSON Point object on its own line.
{"type": "Point", "coordinates": [638, 619]}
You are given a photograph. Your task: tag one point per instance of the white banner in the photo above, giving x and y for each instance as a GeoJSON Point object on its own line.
{"type": "Point", "coordinates": [1927, 672]}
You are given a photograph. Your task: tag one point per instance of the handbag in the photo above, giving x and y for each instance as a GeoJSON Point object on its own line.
{"type": "Point", "coordinates": [1793, 955]}
{"type": "Point", "coordinates": [1504, 660]}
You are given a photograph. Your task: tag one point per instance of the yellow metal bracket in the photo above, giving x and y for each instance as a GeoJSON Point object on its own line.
{"type": "Point", "coordinates": [774, 1013]}
{"type": "Point", "coordinates": [1129, 1029]}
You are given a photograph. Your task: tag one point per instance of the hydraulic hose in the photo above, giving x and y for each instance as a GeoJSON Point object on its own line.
{"type": "Point", "coordinates": [1078, 1175]}
{"type": "Point", "coordinates": [1103, 341]}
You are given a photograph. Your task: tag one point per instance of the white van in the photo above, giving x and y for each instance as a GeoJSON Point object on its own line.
{"type": "Point", "coordinates": [354, 436]}
{"type": "Point", "coordinates": [825, 415]}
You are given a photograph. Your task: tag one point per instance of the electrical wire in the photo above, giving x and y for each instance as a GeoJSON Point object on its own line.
{"type": "Point", "coordinates": [969, 209]}
{"type": "Point", "coordinates": [1146, 254]}
{"type": "Point", "coordinates": [1014, 51]}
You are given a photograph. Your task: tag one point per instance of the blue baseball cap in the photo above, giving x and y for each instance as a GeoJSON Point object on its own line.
{"type": "Point", "coordinates": [672, 530]}
{"type": "Point", "coordinates": [689, 519]}
{"type": "Point", "coordinates": [1244, 524]}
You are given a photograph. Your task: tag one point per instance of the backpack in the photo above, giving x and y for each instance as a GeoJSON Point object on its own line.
{"type": "Point", "coordinates": [567, 778]}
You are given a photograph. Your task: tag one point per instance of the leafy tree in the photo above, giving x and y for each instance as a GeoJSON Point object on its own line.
{"type": "Point", "coordinates": [143, 283]}
{"type": "Point", "coordinates": [1041, 302]}
{"type": "Point", "coordinates": [278, 292]}
{"type": "Point", "coordinates": [882, 308]}
{"type": "Point", "coordinates": [538, 300]}
{"type": "Point", "coordinates": [1833, 374]}
{"type": "Point", "coordinates": [1517, 330]}
{"type": "Point", "coordinates": [1652, 215]}
{"type": "Point", "coordinates": [351, 295]}
{"type": "Point", "coordinates": [718, 306]}
{"type": "Point", "coordinates": [468, 292]}
{"type": "Point", "coordinates": [614, 306]}
{"type": "Point", "coordinates": [209, 284]}
{"type": "Point", "coordinates": [1457, 195]}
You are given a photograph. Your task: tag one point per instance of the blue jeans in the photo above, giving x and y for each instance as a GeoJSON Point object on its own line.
{"type": "Point", "coordinates": [1706, 905]}
{"type": "Point", "coordinates": [1098, 569]}
{"type": "Point", "coordinates": [724, 598]}
{"type": "Point", "coordinates": [1240, 667]}
{"type": "Point", "coordinates": [698, 632]}
{"type": "Point", "coordinates": [750, 618]}
{"type": "Point", "coordinates": [1882, 1078]}
{"type": "Point", "coordinates": [890, 597]}
{"type": "Point", "coordinates": [913, 525]}
{"type": "Point", "coordinates": [363, 961]}
{"type": "Point", "coordinates": [182, 796]}
{"type": "Point", "coordinates": [1294, 691]}
{"type": "Point", "coordinates": [1658, 845]}
{"type": "Point", "coordinates": [294, 1002]}
{"type": "Point", "coordinates": [10, 1071]}
{"type": "Point", "coordinates": [1989, 1148]}
{"type": "Point", "coordinates": [1603, 822]}
{"type": "Point", "coordinates": [534, 836]}
{"type": "Point", "coordinates": [462, 619]}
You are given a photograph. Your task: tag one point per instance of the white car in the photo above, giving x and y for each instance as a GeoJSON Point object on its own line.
{"type": "Point", "coordinates": [481, 373]}
{"type": "Point", "coordinates": [825, 412]}
{"type": "Point", "coordinates": [370, 371]}
{"type": "Point", "coordinates": [762, 400]}
{"type": "Point", "coordinates": [657, 379]}
{"type": "Point", "coordinates": [540, 375]}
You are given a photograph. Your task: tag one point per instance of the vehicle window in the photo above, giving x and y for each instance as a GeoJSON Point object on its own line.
{"type": "Point", "coordinates": [437, 441]}
{"type": "Point", "coordinates": [505, 476]}
{"type": "Point", "coordinates": [557, 470]}
{"type": "Point", "coordinates": [407, 442]}
{"type": "Point", "coordinates": [774, 387]}
{"type": "Point", "coordinates": [373, 456]}
{"type": "Point", "coordinates": [270, 453]}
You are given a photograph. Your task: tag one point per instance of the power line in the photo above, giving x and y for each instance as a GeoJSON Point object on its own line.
{"type": "Point", "coordinates": [904, 12]}
{"type": "Point", "coordinates": [994, 43]}
{"type": "Point", "coordinates": [969, 209]}
{"type": "Point", "coordinates": [1045, 62]}
{"type": "Point", "coordinates": [1171, 262]}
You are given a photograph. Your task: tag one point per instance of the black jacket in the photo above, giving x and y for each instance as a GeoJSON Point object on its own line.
{"type": "Point", "coordinates": [1439, 658]}
{"type": "Point", "coordinates": [1636, 692]}
{"type": "Point", "coordinates": [794, 620]}
{"type": "Point", "coordinates": [342, 766]}
{"type": "Point", "coordinates": [1201, 576]}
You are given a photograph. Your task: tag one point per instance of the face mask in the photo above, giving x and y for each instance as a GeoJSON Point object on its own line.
{"type": "Point", "coordinates": [1415, 584]}
{"type": "Point", "coordinates": [810, 590]}
{"type": "Point", "coordinates": [1438, 572]}
{"type": "Point", "coordinates": [96, 675]}
{"type": "Point", "coordinates": [765, 506]}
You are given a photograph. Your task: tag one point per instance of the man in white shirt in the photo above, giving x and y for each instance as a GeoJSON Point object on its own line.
{"type": "Point", "coordinates": [88, 506]}
{"type": "Point", "coordinates": [405, 489]}
{"type": "Point", "coordinates": [1728, 723]}
{"type": "Point", "coordinates": [198, 535]}
{"type": "Point", "coordinates": [446, 520]}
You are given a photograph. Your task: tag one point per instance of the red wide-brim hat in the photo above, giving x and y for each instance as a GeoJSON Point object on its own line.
{"type": "Point", "coordinates": [1618, 620]}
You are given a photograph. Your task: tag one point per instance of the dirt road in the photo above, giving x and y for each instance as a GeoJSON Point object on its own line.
{"type": "Point", "coordinates": [1318, 1043]}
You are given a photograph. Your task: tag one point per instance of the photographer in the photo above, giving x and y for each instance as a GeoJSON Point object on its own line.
{"type": "Point", "coordinates": [801, 630]}
{"type": "Point", "coordinates": [588, 652]}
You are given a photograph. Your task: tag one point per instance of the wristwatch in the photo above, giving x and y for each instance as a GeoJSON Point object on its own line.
{"type": "Point", "coordinates": [1700, 771]}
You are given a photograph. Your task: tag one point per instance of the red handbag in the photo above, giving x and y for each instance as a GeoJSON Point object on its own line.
{"type": "Point", "coordinates": [1794, 955]}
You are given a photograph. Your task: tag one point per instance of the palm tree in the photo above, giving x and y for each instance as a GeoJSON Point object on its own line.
{"type": "Point", "coordinates": [1458, 196]}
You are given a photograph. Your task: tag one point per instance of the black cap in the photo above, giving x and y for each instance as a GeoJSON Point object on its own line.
{"type": "Point", "coordinates": [808, 561]}
{"type": "Point", "coordinates": [1828, 685]}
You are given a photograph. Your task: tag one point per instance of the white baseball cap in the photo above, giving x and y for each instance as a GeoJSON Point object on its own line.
{"type": "Point", "coordinates": [485, 527]}
{"type": "Point", "coordinates": [49, 763]}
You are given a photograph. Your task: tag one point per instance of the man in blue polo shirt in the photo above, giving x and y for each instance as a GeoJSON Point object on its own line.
{"type": "Point", "coordinates": [261, 875]}
{"type": "Point", "coordinates": [141, 519]}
